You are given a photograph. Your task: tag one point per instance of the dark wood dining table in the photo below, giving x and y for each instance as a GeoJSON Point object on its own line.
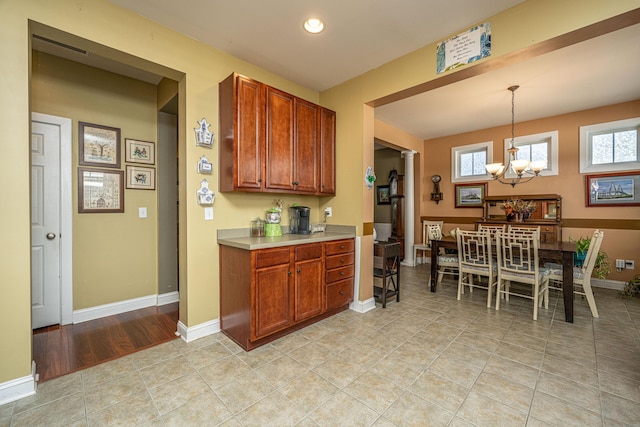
{"type": "Point", "coordinates": [561, 252]}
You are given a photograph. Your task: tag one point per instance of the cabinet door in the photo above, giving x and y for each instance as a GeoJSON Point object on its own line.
{"type": "Point", "coordinates": [327, 151]}
{"type": "Point", "coordinates": [271, 308]}
{"type": "Point", "coordinates": [250, 134]}
{"type": "Point", "coordinates": [279, 139]}
{"type": "Point", "coordinates": [308, 289]}
{"type": "Point", "coordinates": [305, 162]}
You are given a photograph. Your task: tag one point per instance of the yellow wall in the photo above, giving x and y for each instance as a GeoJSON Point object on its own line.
{"type": "Point", "coordinates": [198, 69]}
{"type": "Point", "coordinates": [114, 254]}
{"type": "Point", "coordinates": [569, 183]}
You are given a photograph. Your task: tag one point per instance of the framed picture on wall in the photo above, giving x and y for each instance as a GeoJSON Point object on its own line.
{"type": "Point", "coordinates": [613, 189]}
{"type": "Point", "coordinates": [470, 195]}
{"type": "Point", "coordinates": [141, 178]}
{"type": "Point", "coordinates": [382, 193]}
{"type": "Point", "coordinates": [139, 151]}
{"type": "Point", "coordinates": [98, 145]}
{"type": "Point", "coordinates": [100, 191]}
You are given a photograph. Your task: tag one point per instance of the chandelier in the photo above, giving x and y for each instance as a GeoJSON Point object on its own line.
{"type": "Point", "coordinates": [525, 171]}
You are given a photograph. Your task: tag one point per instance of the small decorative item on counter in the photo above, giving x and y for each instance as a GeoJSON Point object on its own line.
{"type": "Point", "coordinates": [517, 209]}
{"type": "Point", "coordinates": [204, 166]}
{"type": "Point", "coordinates": [257, 227]}
{"type": "Point", "coordinates": [204, 194]}
{"type": "Point", "coordinates": [204, 138]}
{"type": "Point", "coordinates": [369, 178]}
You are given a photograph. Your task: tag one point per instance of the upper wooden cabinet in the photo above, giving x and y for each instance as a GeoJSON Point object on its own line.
{"type": "Point", "coordinates": [272, 141]}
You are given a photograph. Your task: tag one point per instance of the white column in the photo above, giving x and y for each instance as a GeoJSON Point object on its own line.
{"type": "Point", "coordinates": [409, 220]}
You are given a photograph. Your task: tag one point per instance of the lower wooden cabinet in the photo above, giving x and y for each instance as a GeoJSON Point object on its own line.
{"type": "Point", "coordinates": [268, 293]}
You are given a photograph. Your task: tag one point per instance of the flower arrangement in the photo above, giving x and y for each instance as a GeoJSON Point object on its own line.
{"type": "Point", "coordinates": [518, 206]}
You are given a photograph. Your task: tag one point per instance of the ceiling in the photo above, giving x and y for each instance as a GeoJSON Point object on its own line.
{"type": "Point", "coordinates": [361, 35]}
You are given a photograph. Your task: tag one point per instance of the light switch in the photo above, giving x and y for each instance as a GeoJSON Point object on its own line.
{"type": "Point", "coordinates": [142, 212]}
{"type": "Point", "coordinates": [208, 213]}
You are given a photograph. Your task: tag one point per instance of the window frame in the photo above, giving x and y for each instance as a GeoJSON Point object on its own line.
{"type": "Point", "coordinates": [551, 137]}
{"type": "Point", "coordinates": [598, 129]}
{"type": "Point", "coordinates": [456, 152]}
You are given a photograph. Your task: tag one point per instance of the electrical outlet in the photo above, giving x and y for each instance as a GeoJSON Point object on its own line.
{"type": "Point", "coordinates": [630, 264]}
{"type": "Point", "coordinates": [328, 212]}
{"type": "Point", "coordinates": [620, 263]}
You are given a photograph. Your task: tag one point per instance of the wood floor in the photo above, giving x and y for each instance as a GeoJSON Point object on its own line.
{"type": "Point", "coordinates": [60, 350]}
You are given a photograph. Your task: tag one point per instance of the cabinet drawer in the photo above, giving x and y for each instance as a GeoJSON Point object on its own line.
{"type": "Point", "coordinates": [336, 261]}
{"type": "Point", "coordinates": [339, 274]}
{"type": "Point", "coordinates": [339, 247]}
{"type": "Point", "coordinates": [269, 257]}
{"type": "Point", "coordinates": [311, 251]}
{"type": "Point", "coordinates": [340, 293]}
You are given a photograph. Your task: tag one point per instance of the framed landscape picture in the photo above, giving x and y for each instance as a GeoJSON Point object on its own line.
{"type": "Point", "coordinates": [613, 189]}
{"type": "Point", "coordinates": [470, 195]}
{"type": "Point", "coordinates": [382, 193]}
{"type": "Point", "coordinates": [98, 145]}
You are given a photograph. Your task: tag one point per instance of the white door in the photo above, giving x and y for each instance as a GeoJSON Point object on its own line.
{"type": "Point", "coordinates": [45, 225]}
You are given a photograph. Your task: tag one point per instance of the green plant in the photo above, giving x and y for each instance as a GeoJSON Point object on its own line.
{"type": "Point", "coordinates": [631, 288]}
{"type": "Point", "coordinates": [602, 267]}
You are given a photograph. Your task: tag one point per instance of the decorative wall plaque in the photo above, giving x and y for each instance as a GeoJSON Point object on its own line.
{"type": "Point", "coordinates": [204, 166]}
{"type": "Point", "coordinates": [204, 138]}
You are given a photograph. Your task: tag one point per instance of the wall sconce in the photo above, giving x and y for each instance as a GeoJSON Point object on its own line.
{"type": "Point", "coordinates": [436, 196]}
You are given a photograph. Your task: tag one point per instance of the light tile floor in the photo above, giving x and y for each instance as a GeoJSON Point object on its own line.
{"type": "Point", "coordinates": [427, 361]}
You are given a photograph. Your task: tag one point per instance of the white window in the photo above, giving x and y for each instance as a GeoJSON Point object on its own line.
{"type": "Point", "coordinates": [610, 147]}
{"type": "Point", "coordinates": [539, 146]}
{"type": "Point", "coordinates": [469, 162]}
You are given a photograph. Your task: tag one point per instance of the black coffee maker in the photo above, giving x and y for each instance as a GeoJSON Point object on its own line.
{"type": "Point", "coordinates": [299, 220]}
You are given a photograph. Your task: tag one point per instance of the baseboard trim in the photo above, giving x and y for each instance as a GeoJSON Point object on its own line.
{"type": "Point", "coordinates": [202, 330]}
{"type": "Point", "coordinates": [19, 388]}
{"type": "Point", "coordinates": [363, 306]}
{"type": "Point", "coordinates": [105, 310]}
{"type": "Point", "coordinates": [168, 298]}
{"type": "Point", "coordinates": [608, 284]}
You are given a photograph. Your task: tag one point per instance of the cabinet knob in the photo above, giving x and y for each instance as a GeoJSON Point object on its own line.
{"type": "Point", "coordinates": [289, 273]}
{"type": "Point", "coordinates": [341, 246]}
{"type": "Point", "coordinates": [341, 260]}
{"type": "Point", "coordinates": [342, 273]}
{"type": "Point", "coordinates": [341, 292]}
{"type": "Point", "coordinates": [298, 271]}
{"type": "Point", "coordinates": [260, 180]}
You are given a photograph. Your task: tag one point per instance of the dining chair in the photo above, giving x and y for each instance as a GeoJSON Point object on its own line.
{"type": "Point", "coordinates": [492, 229]}
{"type": "Point", "coordinates": [475, 259]}
{"type": "Point", "coordinates": [426, 242]}
{"type": "Point", "coordinates": [525, 230]}
{"type": "Point", "coordinates": [581, 275]}
{"type": "Point", "coordinates": [447, 263]}
{"type": "Point", "coordinates": [518, 261]}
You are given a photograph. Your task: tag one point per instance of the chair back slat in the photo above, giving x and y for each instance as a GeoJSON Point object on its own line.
{"type": "Point", "coordinates": [474, 248]}
{"type": "Point", "coordinates": [493, 229]}
{"type": "Point", "coordinates": [592, 253]}
{"type": "Point", "coordinates": [525, 230]}
{"type": "Point", "coordinates": [426, 236]}
{"type": "Point", "coordinates": [518, 254]}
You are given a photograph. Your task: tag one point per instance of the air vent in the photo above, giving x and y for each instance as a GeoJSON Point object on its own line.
{"type": "Point", "coordinates": [60, 44]}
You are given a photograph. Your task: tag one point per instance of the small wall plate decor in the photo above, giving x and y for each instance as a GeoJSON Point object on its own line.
{"type": "Point", "coordinates": [204, 138]}
{"type": "Point", "coordinates": [204, 166]}
{"type": "Point", "coordinates": [205, 195]}
{"type": "Point", "coordinates": [369, 178]}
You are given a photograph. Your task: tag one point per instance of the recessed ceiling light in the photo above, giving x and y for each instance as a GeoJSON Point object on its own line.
{"type": "Point", "coordinates": [313, 25]}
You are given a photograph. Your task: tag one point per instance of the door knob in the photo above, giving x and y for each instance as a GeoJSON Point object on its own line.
{"type": "Point", "coordinates": [51, 236]}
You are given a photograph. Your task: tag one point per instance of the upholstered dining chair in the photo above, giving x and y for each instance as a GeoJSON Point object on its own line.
{"type": "Point", "coordinates": [518, 261]}
{"type": "Point", "coordinates": [581, 275]}
{"type": "Point", "coordinates": [426, 242]}
{"type": "Point", "coordinates": [475, 259]}
{"type": "Point", "coordinates": [492, 229]}
{"type": "Point", "coordinates": [525, 230]}
{"type": "Point", "coordinates": [447, 263]}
